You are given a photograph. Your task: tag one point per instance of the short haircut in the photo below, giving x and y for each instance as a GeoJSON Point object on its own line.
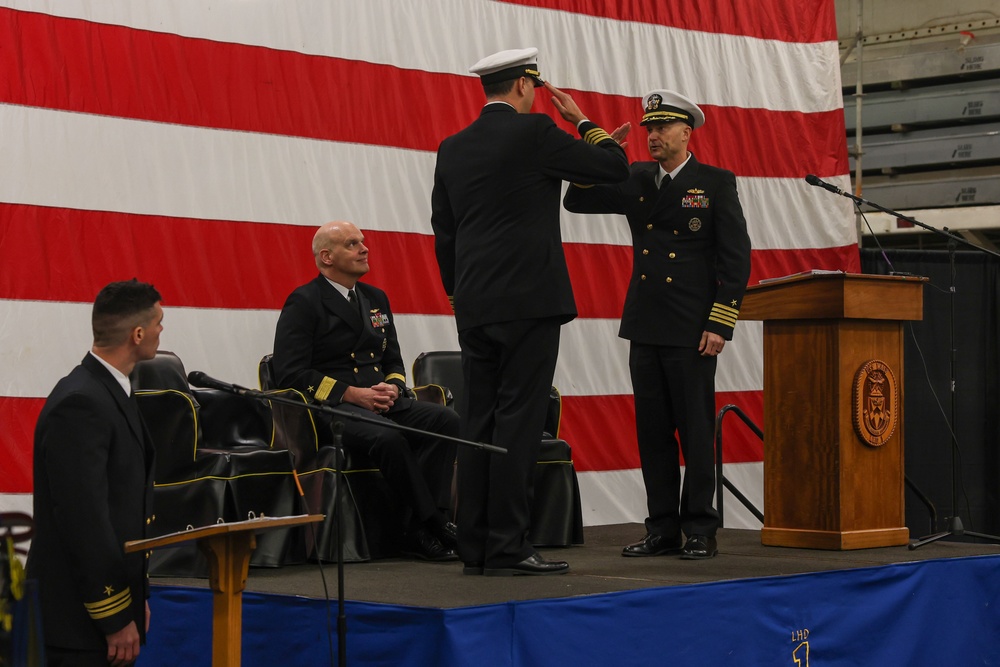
{"type": "Point", "coordinates": [499, 88]}
{"type": "Point", "coordinates": [119, 307]}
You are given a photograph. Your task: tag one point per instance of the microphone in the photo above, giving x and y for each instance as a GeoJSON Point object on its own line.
{"type": "Point", "coordinates": [812, 179]}
{"type": "Point", "coordinates": [200, 379]}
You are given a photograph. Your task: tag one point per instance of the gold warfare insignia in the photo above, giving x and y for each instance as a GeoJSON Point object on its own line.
{"type": "Point", "coordinates": [696, 191]}
{"type": "Point", "coordinates": [694, 224]}
{"type": "Point", "coordinates": [875, 403]}
{"type": "Point", "coordinates": [654, 103]}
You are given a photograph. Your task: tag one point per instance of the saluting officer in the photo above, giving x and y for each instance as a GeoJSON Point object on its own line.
{"type": "Point", "coordinates": [495, 215]}
{"type": "Point", "coordinates": [691, 263]}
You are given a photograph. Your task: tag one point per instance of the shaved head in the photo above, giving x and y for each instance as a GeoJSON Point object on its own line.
{"type": "Point", "coordinates": [340, 252]}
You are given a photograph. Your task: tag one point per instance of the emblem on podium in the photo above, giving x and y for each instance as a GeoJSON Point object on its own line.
{"type": "Point", "coordinates": [875, 409]}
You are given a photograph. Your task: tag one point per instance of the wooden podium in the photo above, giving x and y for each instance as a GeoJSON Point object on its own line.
{"type": "Point", "coordinates": [833, 407]}
{"type": "Point", "coordinates": [227, 546]}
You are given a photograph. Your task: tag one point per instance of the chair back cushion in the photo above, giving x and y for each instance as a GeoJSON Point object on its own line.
{"type": "Point", "coordinates": [172, 419]}
{"type": "Point", "coordinates": [164, 371]}
{"type": "Point", "coordinates": [230, 421]}
{"type": "Point", "coordinates": [265, 373]}
{"type": "Point", "coordinates": [442, 368]}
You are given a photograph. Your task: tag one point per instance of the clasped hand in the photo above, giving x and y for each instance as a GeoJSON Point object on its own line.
{"type": "Point", "coordinates": [378, 398]}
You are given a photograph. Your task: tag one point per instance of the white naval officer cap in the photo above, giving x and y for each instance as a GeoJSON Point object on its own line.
{"type": "Point", "coordinates": [509, 64]}
{"type": "Point", "coordinates": [665, 106]}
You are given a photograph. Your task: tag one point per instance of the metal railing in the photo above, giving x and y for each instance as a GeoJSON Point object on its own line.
{"type": "Point", "coordinates": [725, 483]}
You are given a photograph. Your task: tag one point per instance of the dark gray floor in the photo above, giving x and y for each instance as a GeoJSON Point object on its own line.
{"type": "Point", "coordinates": [597, 567]}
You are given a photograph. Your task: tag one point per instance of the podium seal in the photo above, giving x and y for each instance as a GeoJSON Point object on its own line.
{"type": "Point", "coordinates": [875, 403]}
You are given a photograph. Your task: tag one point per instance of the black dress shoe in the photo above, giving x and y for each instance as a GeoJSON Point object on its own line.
{"type": "Point", "coordinates": [699, 547]}
{"type": "Point", "coordinates": [533, 564]}
{"type": "Point", "coordinates": [472, 568]}
{"type": "Point", "coordinates": [421, 544]}
{"type": "Point", "coordinates": [447, 534]}
{"type": "Point", "coordinates": [654, 545]}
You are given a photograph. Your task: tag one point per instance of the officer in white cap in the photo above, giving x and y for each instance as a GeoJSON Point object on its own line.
{"type": "Point", "coordinates": [691, 263]}
{"type": "Point", "coordinates": [509, 65]}
{"type": "Point", "coordinates": [495, 214]}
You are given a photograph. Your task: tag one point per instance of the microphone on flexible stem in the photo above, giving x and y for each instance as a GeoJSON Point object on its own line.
{"type": "Point", "coordinates": [812, 179]}
{"type": "Point", "coordinates": [200, 379]}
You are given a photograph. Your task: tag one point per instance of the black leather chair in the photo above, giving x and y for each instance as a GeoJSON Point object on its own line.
{"type": "Point", "coordinates": [556, 515]}
{"type": "Point", "coordinates": [214, 463]}
{"type": "Point", "coordinates": [371, 525]}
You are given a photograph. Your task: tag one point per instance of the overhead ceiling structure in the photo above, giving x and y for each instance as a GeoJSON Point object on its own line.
{"type": "Point", "coordinates": [924, 132]}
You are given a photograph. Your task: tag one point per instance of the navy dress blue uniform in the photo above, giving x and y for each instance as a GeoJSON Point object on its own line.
{"type": "Point", "coordinates": [691, 263]}
{"type": "Point", "coordinates": [93, 491]}
{"type": "Point", "coordinates": [323, 345]}
{"type": "Point", "coordinates": [495, 215]}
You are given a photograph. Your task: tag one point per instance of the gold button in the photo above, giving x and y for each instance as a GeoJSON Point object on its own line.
{"type": "Point", "coordinates": [670, 280]}
{"type": "Point", "coordinates": [372, 354]}
{"type": "Point", "coordinates": [650, 227]}
{"type": "Point", "coordinates": [642, 277]}
{"type": "Point", "coordinates": [645, 251]}
{"type": "Point", "coordinates": [154, 517]}
{"type": "Point", "coordinates": [376, 368]}
{"type": "Point", "coordinates": [642, 199]}
{"type": "Point", "coordinates": [355, 370]}
{"type": "Point", "coordinates": [352, 355]}
{"type": "Point", "coordinates": [672, 255]}
{"type": "Point", "coordinates": [148, 521]}
{"type": "Point", "coordinates": [676, 232]}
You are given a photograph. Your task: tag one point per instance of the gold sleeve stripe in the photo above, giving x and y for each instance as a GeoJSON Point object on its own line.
{"type": "Point", "coordinates": [113, 605]}
{"type": "Point", "coordinates": [396, 376]}
{"type": "Point", "coordinates": [596, 136]}
{"type": "Point", "coordinates": [582, 187]}
{"type": "Point", "coordinates": [451, 302]}
{"type": "Point", "coordinates": [325, 387]}
{"type": "Point", "coordinates": [728, 323]}
{"type": "Point", "coordinates": [735, 312]}
{"type": "Point", "coordinates": [722, 318]}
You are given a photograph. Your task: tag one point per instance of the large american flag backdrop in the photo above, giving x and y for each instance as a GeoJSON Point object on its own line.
{"type": "Point", "coordinates": [197, 145]}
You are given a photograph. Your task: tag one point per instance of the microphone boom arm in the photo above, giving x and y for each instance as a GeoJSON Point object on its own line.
{"type": "Point", "coordinates": [200, 379]}
{"type": "Point", "coordinates": [813, 180]}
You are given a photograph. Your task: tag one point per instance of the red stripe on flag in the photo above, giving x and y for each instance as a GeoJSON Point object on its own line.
{"type": "Point", "coordinates": [766, 19]}
{"type": "Point", "coordinates": [601, 430]}
{"type": "Point", "coordinates": [117, 71]}
{"type": "Point", "coordinates": [191, 261]}
{"type": "Point", "coordinates": [18, 416]}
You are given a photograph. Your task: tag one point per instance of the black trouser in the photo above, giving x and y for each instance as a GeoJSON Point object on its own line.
{"type": "Point", "coordinates": [507, 368]}
{"type": "Point", "coordinates": [674, 391]}
{"type": "Point", "coordinates": [418, 468]}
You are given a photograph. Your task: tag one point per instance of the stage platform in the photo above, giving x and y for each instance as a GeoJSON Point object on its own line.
{"type": "Point", "coordinates": [752, 605]}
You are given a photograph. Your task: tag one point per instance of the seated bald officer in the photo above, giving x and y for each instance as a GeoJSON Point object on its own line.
{"type": "Point", "coordinates": [336, 342]}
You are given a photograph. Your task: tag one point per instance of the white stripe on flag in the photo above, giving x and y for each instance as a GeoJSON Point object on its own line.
{"type": "Point", "coordinates": [228, 344]}
{"type": "Point", "coordinates": [98, 163]}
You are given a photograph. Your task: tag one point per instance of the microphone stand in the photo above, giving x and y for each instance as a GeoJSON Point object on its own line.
{"type": "Point", "coordinates": [337, 428]}
{"type": "Point", "coordinates": [955, 527]}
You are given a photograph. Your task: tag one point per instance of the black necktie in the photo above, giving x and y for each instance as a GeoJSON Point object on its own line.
{"type": "Point", "coordinates": [353, 298]}
{"type": "Point", "coordinates": [665, 181]}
